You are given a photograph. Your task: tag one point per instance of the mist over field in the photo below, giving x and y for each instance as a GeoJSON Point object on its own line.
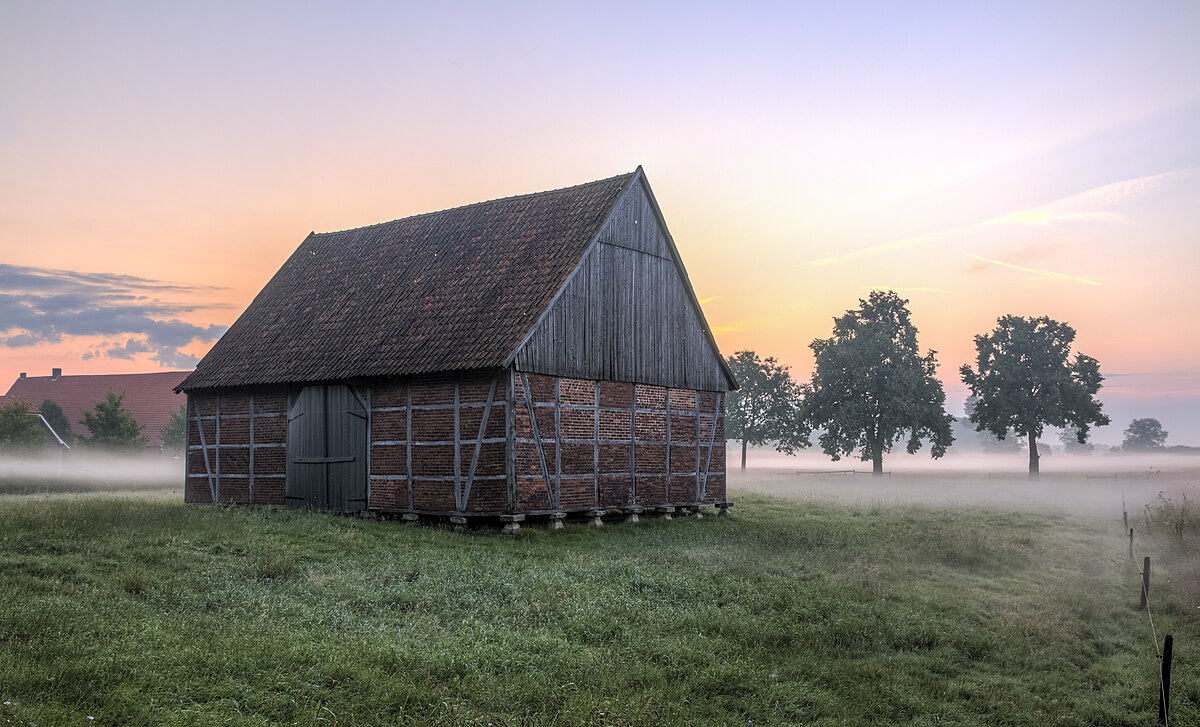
{"type": "Point", "coordinates": [1088, 485]}
{"type": "Point", "coordinates": [82, 470]}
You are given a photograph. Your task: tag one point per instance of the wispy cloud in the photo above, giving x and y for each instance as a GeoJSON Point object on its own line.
{"type": "Point", "coordinates": [709, 299]}
{"type": "Point", "coordinates": [1090, 205]}
{"type": "Point", "coordinates": [1035, 271]}
{"type": "Point", "coordinates": [1110, 195]}
{"type": "Point", "coordinates": [46, 305]}
{"type": "Point", "coordinates": [1046, 216]}
{"type": "Point", "coordinates": [893, 245]}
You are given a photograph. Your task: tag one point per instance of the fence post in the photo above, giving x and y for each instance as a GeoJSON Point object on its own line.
{"type": "Point", "coordinates": [1131, 543]}
{"type": "Point", "coordinates": [1164, 686]}
{"type": "Point", "coordinates": [1145, 582]}
{"type": "Point", "coordinates": [1124, 511]}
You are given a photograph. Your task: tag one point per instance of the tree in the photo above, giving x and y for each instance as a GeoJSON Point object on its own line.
{"type": "Point", "coordinates": [766, 406]}
{"type": "Point", "coordinates": [173, 431]}
{"type": "Point", "coordinates": [1026, 380]}
{"type": "Point", "coordinates": [988, 442]}
{"type": "Point", "coordinates": [1071, 444]}
{"type": "Point", "coordinates": [872, 387]}
{"type": "Point", "coordinates": [19, 429]}
{"type": "Point", "coordinates": [112, 426]}
{"type": "Point", "coordinates": [1144, 435]}
{"type": "Point", "coordinates": [58, 421]}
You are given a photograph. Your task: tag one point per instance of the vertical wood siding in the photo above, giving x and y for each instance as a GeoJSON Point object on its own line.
{"type": "Point", "coordinates": [627, 313]}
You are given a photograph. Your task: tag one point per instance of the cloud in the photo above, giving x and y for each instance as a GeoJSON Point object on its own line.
{"type": "Point", "coordinates": [172, 359]}
{"type": "Point", "coordinates": [1091, 204]}
{"type": "Point", "coordinates": [21, 277]}
{"type": "Point", "coordinates": [132, 346]}
{"type": "Point", "coordinates": [45, 305]}
{"type": "Point", "coordinates": [1110, 195]}
{"type": "Point", "coordinates": [893, 245]}
{"type": "Point", "coordinates": [1036, 271]}
{"type": "Point", "coordinates": [709, 299]}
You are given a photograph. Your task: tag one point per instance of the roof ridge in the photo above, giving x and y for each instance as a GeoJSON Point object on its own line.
{"type": "Point", "coordinates": [130, 373]}
{"type": "Point", "coordinates": [629, 175]}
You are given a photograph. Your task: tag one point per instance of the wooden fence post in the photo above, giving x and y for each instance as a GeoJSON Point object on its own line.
{"type": "Point", "coordinates": [1145, 583]}
{"type": "Point", "coordinates": [1131, 543]}
{"type": "Point", "coordinates": [1164, 685]}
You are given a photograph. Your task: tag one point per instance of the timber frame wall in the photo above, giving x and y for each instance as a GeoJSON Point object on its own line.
{"type": "Point", "coordinates": [236, 447]}
{"type": "Point", "coordinates": [480, 443]}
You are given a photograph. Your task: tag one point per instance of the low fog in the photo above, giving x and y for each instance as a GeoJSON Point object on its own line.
{"type": "Point", "coordinates": [1069, 484]}
{"type": "Point", "coordinates": [82, 467]}
{"type": "Point", "coordinates": [1090, 485]}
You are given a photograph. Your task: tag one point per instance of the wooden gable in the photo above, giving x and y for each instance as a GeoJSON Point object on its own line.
{"type": "Point", "coordinates": [628, 312]}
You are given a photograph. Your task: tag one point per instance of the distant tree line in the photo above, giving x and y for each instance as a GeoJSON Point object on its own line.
{"type": "Point", "coordinates": [109, 424]}
{"type": "Point", "coordinates": [872, 389]}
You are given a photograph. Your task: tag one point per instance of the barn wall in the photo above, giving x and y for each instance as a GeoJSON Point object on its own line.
{"type": "Point", "coordinates": [601, 444]}
{"type": "Point", "coordinates": [627, 314]}
{"type": "Point", "coordinates": [219, 464]}
{"type": "Point", "coordinates": [236, 447]}
{"type": "Point", "coordinates": [438, 445]}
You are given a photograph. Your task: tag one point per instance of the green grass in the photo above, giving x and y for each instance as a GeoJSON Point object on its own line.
{"type": "Point", "coordinates": [147, 612]}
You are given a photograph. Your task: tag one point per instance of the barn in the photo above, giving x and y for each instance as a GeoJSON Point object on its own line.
{"type": "Point", "coordinates": [535, 356]}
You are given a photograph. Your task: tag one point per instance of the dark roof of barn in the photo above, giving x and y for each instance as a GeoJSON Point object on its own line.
{"type": "Point", "coordinates": [452, 290]}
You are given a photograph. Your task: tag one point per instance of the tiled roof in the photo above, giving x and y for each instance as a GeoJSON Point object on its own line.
{"type": "Point", "coordinates": [451, 290]}
{"type": "Point", "coordinates": [149, 397]}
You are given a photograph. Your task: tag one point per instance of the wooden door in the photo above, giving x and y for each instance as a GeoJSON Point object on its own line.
{"type": "Point", "coordinates": [327, 449]}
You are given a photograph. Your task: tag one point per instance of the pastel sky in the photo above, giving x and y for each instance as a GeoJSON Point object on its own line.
{"type": "Point", "coordinates": [159, 161]}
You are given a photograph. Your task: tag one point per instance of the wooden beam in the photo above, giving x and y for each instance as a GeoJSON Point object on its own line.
{"type": "Point", "coordinates": [218, 445]}
{"type": "Point", "coordinates": [596, 443]}
{"type": "Point", "coordinates": [487, 412]}
{"type": "Point", "coordinates": [510, 436]}
{"type": "Point", "coordinates": [633, 444]}
{"type": "Point", "coordinates": [212, 490]}
{"type": "Point", "coordinates": [457, 447]}
{"type": "Point", "coordinates": [367, 406]}
{"type": "Point", "coordinates": [697, 441]}
{"type": "Point", "coordinates": [528, 395]}
{"type": "Point", "coordinates": [250, 474]}
{"type": "Point", "coordinates": [712, 435]}
{"type": "Point", "coordinates": [667, 488]}
{"type": "Point", "coordinates": [408, 438]}
{"type": "Point", "coordinates": [557, 439]}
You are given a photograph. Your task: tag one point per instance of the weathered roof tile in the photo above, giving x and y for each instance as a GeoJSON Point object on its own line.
{"type": "Point", "coordinates": [450, 290]}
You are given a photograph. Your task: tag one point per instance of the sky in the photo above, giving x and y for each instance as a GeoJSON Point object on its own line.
{"type": "Point", "coordinates": [160, 161]}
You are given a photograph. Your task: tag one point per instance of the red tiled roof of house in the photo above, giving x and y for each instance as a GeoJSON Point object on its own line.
{"type": "Point", "coordinates": [151, 398]}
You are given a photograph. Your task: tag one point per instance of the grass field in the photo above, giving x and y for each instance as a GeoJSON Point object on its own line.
{"type": "Point", "coordinates": [141, 611]}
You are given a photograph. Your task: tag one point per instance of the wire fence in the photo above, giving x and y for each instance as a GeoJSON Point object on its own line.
{"type": "Point", "coordinates": [1164, 707]}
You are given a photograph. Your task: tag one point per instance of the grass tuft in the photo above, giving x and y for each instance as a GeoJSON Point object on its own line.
{"type": "Point", "coordinates": [133, 582]}
{"type": "Point", "coordinates": [270, 565]}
